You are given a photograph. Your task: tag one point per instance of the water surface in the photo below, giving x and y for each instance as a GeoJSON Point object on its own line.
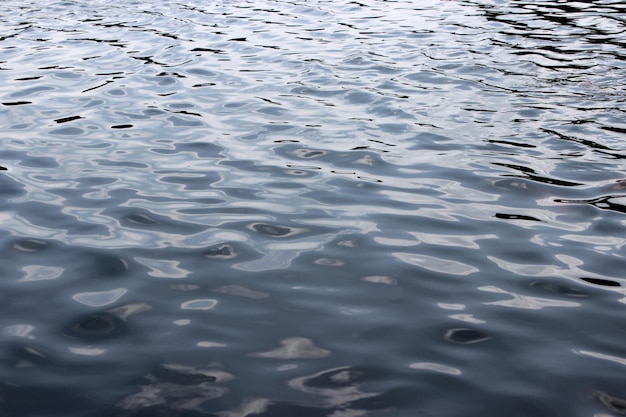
{"type": "Point", "coordinates": [322, 208]}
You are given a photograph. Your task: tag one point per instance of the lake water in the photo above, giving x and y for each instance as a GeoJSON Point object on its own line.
{"type": "Point", "coordinates": [323, 208]}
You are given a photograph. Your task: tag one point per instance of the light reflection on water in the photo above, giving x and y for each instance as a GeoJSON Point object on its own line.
{"type": "Point", "coordinates": [321, 208]}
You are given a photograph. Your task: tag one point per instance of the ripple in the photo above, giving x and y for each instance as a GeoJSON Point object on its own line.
{"type": "Point", "coordinates": [160, 268]}
{"type": "Point", "coordinates": [241, 291]}
{"type": "Point", "coordinates": [526, 302]}
{"type": "Point", "coordinates": [615, 404]}
{"type": "Point", "coordinates": [174, 388]}
{"type": "Point", "coordinates": [31, 91]}
{"type": "Point", "coordinates": [40, 272]}
{"type": "Point", "coordinates": [436, 367]}
{"type": "Point", "coordinates": [275, 231]}
{"type": "Point", "coordinates": [100, 298]}
{"type": "Point", "coordinates": [336, 386]}
{"type": "Point", "coordinates": [203, 304]}
{"type": "Point", "coordinates": [319, 166]}
{"type": "Point", "coordinates": [436, 264]}
{"type": "Point", "coordinates": [466, 336]}
{"type": "Point", "coordinates": [222, 252]}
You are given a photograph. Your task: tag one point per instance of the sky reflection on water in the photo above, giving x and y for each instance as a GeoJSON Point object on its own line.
{"type": "Point", "coordinates": [312, 208]}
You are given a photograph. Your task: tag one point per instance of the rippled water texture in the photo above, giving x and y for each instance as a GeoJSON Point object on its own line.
{"type": "Point", "coordinates": [323, 208]}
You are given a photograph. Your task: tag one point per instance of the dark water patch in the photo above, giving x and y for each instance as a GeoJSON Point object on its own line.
{"type": "Point", "coordinates": [515, 217]}
{"type": "Point", "coordinates": [589, 143]}
{"type": "Point", "coordinates": [30, 245]}
{"type": "Point", "coordinates": [68, 119]}
{"type": "Point", "coordinates": [135, 218]}
{"type": "Point", "coordinates": [188, 113]}
{"type": "Point", "coordinates": [215, 51]}
{"type": "Point", "coordinates": [16, 103]}
{"type": "Point", "coordinates": [222, 252]}
{"type": "Point", "coordinates": [142, 219]}
{"type": "Point", "coordinates": [42, 262]}
{"type": "Point", "coordinates": [18, 399]}
{"type": "Point", "coordinates": [613, 129]}
{"type": "Point", "coordinates": [97, 86]}
{"type": "Point", "coordinates": [506, 142]}
{"type": "Point", "coordinates": [551, 286]}
{"type": "Point", "coordinates": [612, 403]}
{"type": "Point", "coordinates": [602, 282]}
{"type": "Point", "coordinates": [104, 265]}
{"type": "Point", "coordinates": [532, 175]}
{"type": "Point", "coordinates": [274, 230]}
{"type": "Point", "coordinates": [95, 327]}
{"type": "Point", "coordinates": [27, 78]}
{"type": "Point", "coordinates": [611, 202]}
{"type": "Point", "coordinates": [203, 85]}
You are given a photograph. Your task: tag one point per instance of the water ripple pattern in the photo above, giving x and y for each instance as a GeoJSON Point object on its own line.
{"type": "Point", "coordinates": [321, 208]}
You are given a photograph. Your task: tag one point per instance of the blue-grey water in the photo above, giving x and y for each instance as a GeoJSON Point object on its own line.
{"type": "Point", "coordinates": [322, 208]}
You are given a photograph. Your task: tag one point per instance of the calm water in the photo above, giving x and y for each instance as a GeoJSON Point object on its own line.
{"type": "Point", "coordinates": [323, 208]}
